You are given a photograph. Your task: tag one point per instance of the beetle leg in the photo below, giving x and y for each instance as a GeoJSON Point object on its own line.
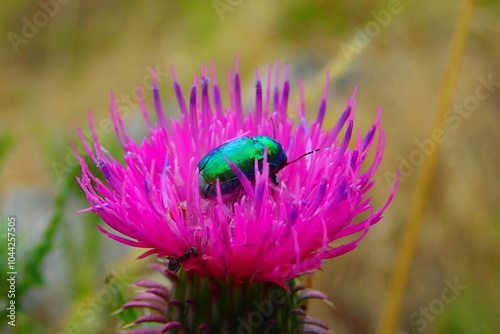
{"type": "Point", "coordinates": [274, 178]}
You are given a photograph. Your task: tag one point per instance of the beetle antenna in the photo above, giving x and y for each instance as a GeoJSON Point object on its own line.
{"type": "Point", "coordinates": [303, 155]}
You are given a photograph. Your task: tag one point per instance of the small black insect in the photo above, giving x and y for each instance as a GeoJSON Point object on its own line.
{"type": "Point", "coordinates": [174, 263]}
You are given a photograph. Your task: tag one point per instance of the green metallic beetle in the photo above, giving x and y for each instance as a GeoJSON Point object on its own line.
{"type": "Point", "coordinates": [242, 152]}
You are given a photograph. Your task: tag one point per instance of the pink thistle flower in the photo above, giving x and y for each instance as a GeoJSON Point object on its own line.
{"type": "Point", "coordinates": [260, 232]}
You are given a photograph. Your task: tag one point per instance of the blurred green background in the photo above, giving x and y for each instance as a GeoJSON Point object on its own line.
{"type": "Point", "coordinates": [61, 58]}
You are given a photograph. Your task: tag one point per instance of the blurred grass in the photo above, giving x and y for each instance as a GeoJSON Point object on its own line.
{"type": "Point", "coordinates": [29, 263]}
{"type": "Point", "coordinates": [406, 252]}
{"type": "Point", "coordinates": [91, 47]}
{"type": "Point", "coordinates": [6, 143]}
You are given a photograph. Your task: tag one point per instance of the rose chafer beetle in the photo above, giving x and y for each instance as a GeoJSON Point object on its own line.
{"type": "Point", "coordinates": [242, 152]}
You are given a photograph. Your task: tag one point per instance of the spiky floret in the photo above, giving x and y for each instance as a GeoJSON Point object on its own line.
{"type": "Point", "coordinates": [265, 233]}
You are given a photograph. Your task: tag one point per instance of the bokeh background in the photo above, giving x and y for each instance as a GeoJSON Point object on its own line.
{"type": "Point", "coordinates": [60, 59]}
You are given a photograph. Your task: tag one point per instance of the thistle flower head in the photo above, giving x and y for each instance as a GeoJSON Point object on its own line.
{"type": "Point", "coordinates": [260, 227]}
